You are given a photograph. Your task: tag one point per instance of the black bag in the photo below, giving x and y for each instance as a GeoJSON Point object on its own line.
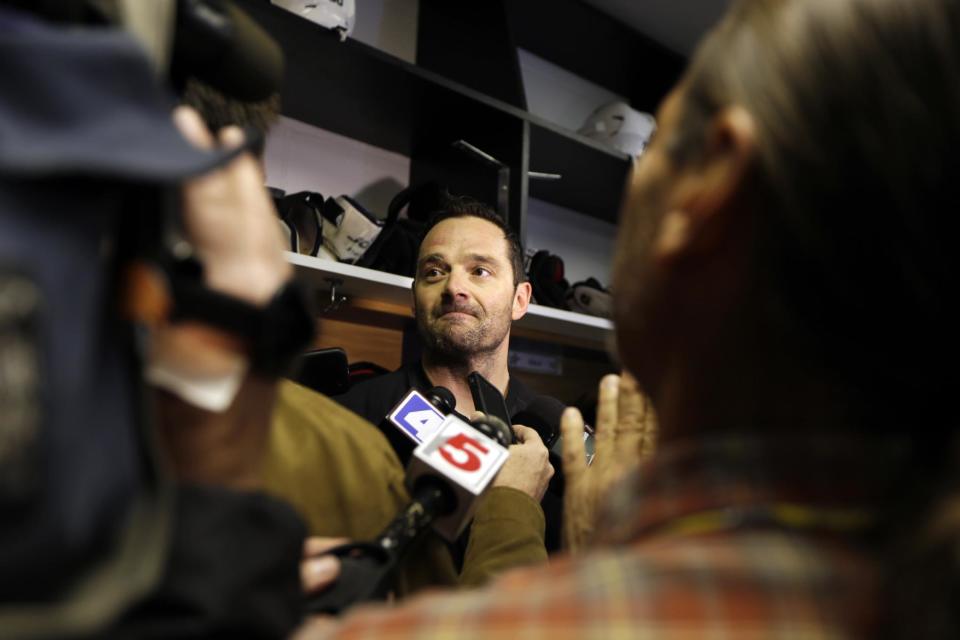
{"type": "Point", "coordinates": [547, 279]}
{"type": "Point", "coordinates": [395, 249]}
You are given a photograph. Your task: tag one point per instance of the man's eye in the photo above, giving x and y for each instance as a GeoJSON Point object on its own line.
{"type": "Point", "coordinates": [482, 271]}
{"type": "Point", "coordinates": [432, 273]}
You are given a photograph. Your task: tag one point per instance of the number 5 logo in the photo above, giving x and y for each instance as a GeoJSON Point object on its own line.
{"type": "Point", "coordinates": [461, 451]}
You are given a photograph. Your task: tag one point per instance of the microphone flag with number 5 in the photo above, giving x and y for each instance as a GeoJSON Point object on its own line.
{"type": "Point", "coordinates": [466, 460]}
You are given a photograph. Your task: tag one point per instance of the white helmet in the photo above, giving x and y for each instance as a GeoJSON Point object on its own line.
{"type": "Point", "coordinates": [337, 15]}
{"type": "Point", "coordinates": [620, 126]}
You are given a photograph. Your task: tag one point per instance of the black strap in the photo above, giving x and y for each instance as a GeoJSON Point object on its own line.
{"type": "Point", "coordinates": [195, 301]}
{"type": "Point", "coordinates": [274, 335]}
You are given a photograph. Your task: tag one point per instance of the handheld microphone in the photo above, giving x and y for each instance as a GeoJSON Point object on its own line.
{"type": "Point", "coordinates": [542, 415]}
{"type": "Point", "coordinates": [447, 474]}
{"type": "Point", "coordinates": [224, 47]}
{"type": "Point", "coordinates": [443, 399]}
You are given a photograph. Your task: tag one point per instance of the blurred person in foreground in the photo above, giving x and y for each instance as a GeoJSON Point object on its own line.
{"type": "Point", "coordinates": [784, 273]}
{"type": "Point", "coordinates": [110, 527]}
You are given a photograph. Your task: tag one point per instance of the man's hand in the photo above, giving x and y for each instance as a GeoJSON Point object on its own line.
{"type": "Point", "coordinates": [317, 571]}
{"type": "Point", "coordinates": [528, 468]}
{"type": "Point", "coordinates": [625, 434]}
{"type": "Point", "coordinates": [230, 220]}
{"type": "Point", "coordinates": [231, 225]}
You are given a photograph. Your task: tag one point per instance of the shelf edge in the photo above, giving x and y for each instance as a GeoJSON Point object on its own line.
{"type": "Point", "coordinates": [360, 282]}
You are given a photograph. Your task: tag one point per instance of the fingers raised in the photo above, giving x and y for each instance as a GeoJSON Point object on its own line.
{"type": "Point", "coordinates": [574, 454]}
{"type": "Point", "coordinates": [191, 126]}
{"type": "Point", "coordinates": [318, 573]}
{"type": "Point", "coordinates": [606, 427]}
{"type": "Point", "coordinates": [231, 137]}
{"type": "Point", "coordinates": [631, 414]}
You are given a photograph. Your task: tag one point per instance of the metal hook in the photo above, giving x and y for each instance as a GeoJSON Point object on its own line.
{"type": "Point", "coordinates": [336, 299]}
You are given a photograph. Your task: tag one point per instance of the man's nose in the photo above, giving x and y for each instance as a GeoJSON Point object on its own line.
{"type": "Point", "coordinates": [456, 284]}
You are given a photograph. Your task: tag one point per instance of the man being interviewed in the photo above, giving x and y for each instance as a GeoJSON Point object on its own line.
{"type": "Point", "coordinates": [468, 289]}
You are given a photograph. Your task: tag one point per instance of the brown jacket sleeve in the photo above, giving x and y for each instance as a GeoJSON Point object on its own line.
{"type": "Point", "coordinates": [507, 532]}
{"type": "Point", "coordinates": [341, 474]}
{"type": "Point", "coordinates": [335, 467]}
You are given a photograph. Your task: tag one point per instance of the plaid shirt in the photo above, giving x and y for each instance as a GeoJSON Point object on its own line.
{"type": "Point", "coordinates": [737, 538]}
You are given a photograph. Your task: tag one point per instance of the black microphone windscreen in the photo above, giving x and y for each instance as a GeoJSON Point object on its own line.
{"type": "Point", "coordinates": [443, 399]}
{"type": "Point", "coordinates": [495, 429]}
{"type": "Point", "coordinates": [222, 46]}
{"type": "Point", "coordinates": [543, 416]}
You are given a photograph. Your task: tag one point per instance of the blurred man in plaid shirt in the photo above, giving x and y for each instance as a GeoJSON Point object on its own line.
{"type": "Point", "coordinates": [785, 261]}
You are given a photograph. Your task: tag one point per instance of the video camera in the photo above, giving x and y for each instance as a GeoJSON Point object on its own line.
{"type": "Point", "coordinates": [90, 169]}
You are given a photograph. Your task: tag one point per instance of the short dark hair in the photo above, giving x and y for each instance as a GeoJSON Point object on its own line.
{"type": "Point", "coordinates": [466, 207]}
{"type": "Point", "coordinates": [219, 110]}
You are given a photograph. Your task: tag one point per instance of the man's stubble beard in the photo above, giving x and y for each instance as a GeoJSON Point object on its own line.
{"type": "Point", "coordinates": [453, 343]}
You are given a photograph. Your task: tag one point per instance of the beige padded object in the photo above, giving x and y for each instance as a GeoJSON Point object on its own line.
{"type": "Point", "coordinates": [152, 24]}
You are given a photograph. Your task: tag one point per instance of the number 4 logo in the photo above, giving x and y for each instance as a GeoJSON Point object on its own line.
{"type": "Point", "coordinates": [426, 420]}
{"type": "Point", "coordinates": [416, 417]}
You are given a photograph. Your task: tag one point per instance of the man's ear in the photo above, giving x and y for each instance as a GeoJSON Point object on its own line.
{"type": "Point", "coordinates": [521, 300]}
{"type": "Point", "coordinates": [413, 297]}
{"type": "Point", "coordinates": [702, 208]}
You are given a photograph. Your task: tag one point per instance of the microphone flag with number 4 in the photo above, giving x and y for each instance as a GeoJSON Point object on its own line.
{"type": "Point", "coordinates": [416, 417]}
